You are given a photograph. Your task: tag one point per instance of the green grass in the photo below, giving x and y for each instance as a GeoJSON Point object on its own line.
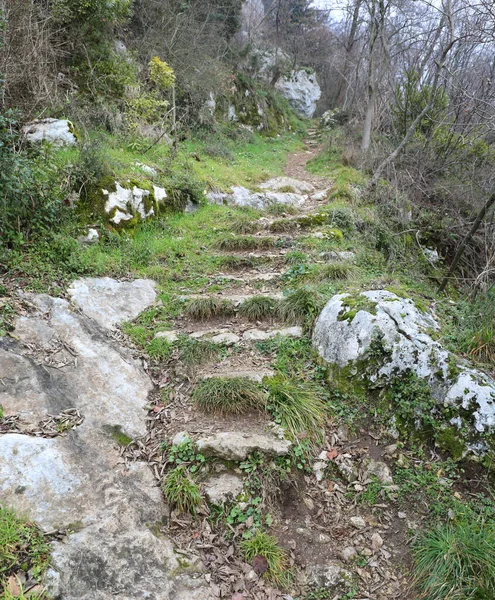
{"type": "Point", "coordinates": [266, 546]}
{"type": "Point", "coordinates": [299, 307]}
{"type": "Point", "coordinates": [234, 395]}
{"type": "Point", "coordinates": [283, 225]}
{"type": "Point", "coordinates": [197, 352]}
{"type": "Point", "coordinates": [234, 263]}
{"type": "Point", "coordinates": [202, 309]}
{"type": "Point", "coordinates": [333, 271]}
{"type": "Point", "coordinates": [243, 226]}
{"type": "Point", "coordinates": [258, 308]}
{"type": "Point", "coordinates": [295, 257]}
{"type": "Point", "coordinates": [297, 406]}
{"type": "Point", "coordinates": [22, 546]}
{"type": "Point", "coordinates": [244, 243]}
{"type": "Point", "coordinates": [181, 491]}
{"type": "Point", "coordinates": [456, 562]}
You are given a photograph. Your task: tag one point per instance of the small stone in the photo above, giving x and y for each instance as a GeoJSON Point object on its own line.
{"type": "Point", "coordinates": [343, 433]}
{"type": "Point", "coordinates": [236, 445]}
{"type": "Point", "coordinates": [367, 552]}
{"type": "Point", "coordinates": [390, 450]}
{"type": "Point", "coordinates": [376, 542]}
{"type": "Point", "coordinates": [348, 554]}
{"type": "Point", "coordinates": [309, 502]}
{"type": "Point", "coordinates": [222, 488]}
{"type": "Point", "coordinates": [251, 576]}
{"type": "Point", "coordinates": [402, 515]}
{"type": "Point", "coordinates": [357, 522]}
{"type": "Point", "coordinates": [319, 470]}
{"type": "Point", "coordinates": [180, 437]}
{"type": "Point", "coordinates": [378, 469]}
{"type": "Point", "coordinates": [327, 576]}
{"type": "Point", "coordinates": [323, 538]}
{"type": "Point", "coordinates": [347, 468]}
{"type": "Point", "coordinates": [229, 339]}
{"type": "Point", "coordinates": [168, 336]}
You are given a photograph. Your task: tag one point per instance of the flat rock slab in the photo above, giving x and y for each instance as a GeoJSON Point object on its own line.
{"type": "Point", "coordinates": [252, 374]}
{"type": "Point", "coordinates": [59, 359]}
{"type": "Point", "coordinates": [219, 489]}
{"type": "Point", "coordinates": [241, 196]}
{"type": "Point", "coordinates": [110, 302]}
{"type": "Point", "coordinates": [235, 445]}
{"type": "Point", "coordinates": [278, 184]}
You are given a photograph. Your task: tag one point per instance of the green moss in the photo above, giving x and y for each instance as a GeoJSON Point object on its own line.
{"type": "Point", "coordinates": [449, 440]}
{"type": "Point", "coordinates": [118, 436]}
{"type": "Point", "coordinates": [353, 304]}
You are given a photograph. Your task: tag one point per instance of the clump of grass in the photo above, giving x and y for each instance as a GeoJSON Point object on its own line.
{"type": "Point", "coordinates": [234, 395]}
{"type": "Point", "coordinates": [202, 309]}
{"type": "Point", "coordinates": [197, 352]}
{"type": "Point", "coordinates": [181, 491]}
{"type": "Point", "coordinates": [283, 225]}
{"type": "Point", "coordinates": [244, 243]}
{"type": "Point", "coordinates": [237, 262]}
{"type": "Point", "coordinates": [277, 210]}
{"type": "Point", "coordinates": [243, 226]}
{"type": "Point", "coordinates": [456, 562]}
{"type": "Point", "coordinates": [258, 308]}
{"type": "Point", "coordinates": [295, 257]}
{"type": "Point", "coordinates": [159, 349]}
{"type": "Point", "coordinates": [297, 405]}
{"type": "Point", "coordinates": [266, 546]}
{"type": "Point", "coordinates": [22, 546]}
{"type": "Point", "coordinates": [338, 270]}
{"type": "Point", "coordinates": [300, 306]}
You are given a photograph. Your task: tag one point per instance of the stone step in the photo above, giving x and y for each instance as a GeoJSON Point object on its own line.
{"type": "Point", "coordinates": [255, 374]}
{"type": "Point", "coordinates": [229, 338]}
{"type": "Point", "coordinates": [238, 445]}
{"type": "Point", "coordinates": [248, 277]}
{"type": "Point", "coordinates": [235, 299]}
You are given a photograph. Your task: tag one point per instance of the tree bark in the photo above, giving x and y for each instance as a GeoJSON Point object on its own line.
{"type": "Point", "coordinates": [460, 251]}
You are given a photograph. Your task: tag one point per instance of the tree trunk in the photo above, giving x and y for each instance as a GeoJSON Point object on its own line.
{"type": "Point", "coordinates": [370, 109]}
{"type": "Point", "coordinates": [466, 240]}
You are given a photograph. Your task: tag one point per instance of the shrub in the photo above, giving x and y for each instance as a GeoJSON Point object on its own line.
{"type": "Point", "coordinates": [297, 406]}
{"type": "Point", "coordinates": [181, 491]}
{"type": "Point", "coordinates": [456, 562]}
{"type": "Point", "coordinates": [229, 395]}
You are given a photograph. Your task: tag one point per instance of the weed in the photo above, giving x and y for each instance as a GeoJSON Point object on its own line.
{"type": "Point", "coordinates": [300, 306]}
{"type": "Point", "coordinates": [258, 308]}
{"type": "Point", "coordinates": [283, 225]}
{"type": "Point", "coordinates": [278, 210]}
{"type": "Point", "coordinates": [197, 352]}
{"type": "Point", "coordinates": [237, 262]}
{"type": "Point", "coordinates": [266, 546]}
{"type": "Point", "coordinates": [244, 243]}
{"type": "Point", "coordinates": [202, 309]}
{"type": "Point", "coordinates": [181, 491]}
{"type": "Point", "coordinates": [22, 546]}
{"type": "Point", "coordinates": [295, 257]}
{"type": "Point", "coordinates": [456, 561]}
{"type": "Point", "coordinates": [159, 349]}
{"type": "Point", "coordinates": [337, 270]}
{"type": "Point", "coordinates": [243, 226]}
{"type": "Point", "coordinates": [247, 512]}
{"type": "Point", "coordinates": [297, 406]}
{"type": "Point", "coordinates": [229, 395]}
{"type": "Point", "coordinates": [184, 454]}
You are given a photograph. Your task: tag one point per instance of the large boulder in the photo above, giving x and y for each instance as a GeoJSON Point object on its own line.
{"type": "Point", "coordinates": [60, 358]}
{"type": "Point", "coordinates": [127, 203]}
{"type": "Point", "coordinates": [59, 132]}
{"type": "Point", "coordinates": [377, 340]}
{"type": "Point", "coordinates": [241, 196]}
{"type": "Point", "coordinates": [302, 90]}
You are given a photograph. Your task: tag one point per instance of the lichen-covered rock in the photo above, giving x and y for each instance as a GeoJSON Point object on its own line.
{"type": "Point", "coordinates": [219, 489]}
{"type": "Point", "coordinates": [302, 91]}
{"type": "Point", "coordinates": [377, 338]}
{"type": "Point", "coordinates": [241, 196]}
{"type": "Point", "coordinates": [126, 204]}
{"type": "Point", "coordinates": [59, 132]}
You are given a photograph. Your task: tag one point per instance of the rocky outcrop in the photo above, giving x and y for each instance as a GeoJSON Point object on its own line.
{"type": "Point", "coordinates": [59, 358]}
{"type": "Point", "coordinates": [241, 196]}
{"type": "Point", "coordinates": [59, 132]}
{"type": "Point", "coordinates": [302, 91]}
{"type": "Point", "coordinates": [378, 338]}
{"type": "Point", "coordinates": [126, 204]}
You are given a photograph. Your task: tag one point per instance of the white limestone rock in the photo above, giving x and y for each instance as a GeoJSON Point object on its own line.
{"type": "Point", "coordinates": [110, 302]}
{"type": "Point", "coordinates": [241, 196]}
{"type": "Point", "coordinates": [302, 91]}
{"type": "Point", "coordinates": [327, 576]}
{"type": "Point", "coordinates": [168, 336]}
{"type": "Point", "coordinates": [124, 204]}
{"type": "Point", "coordinates": [59, 132]}
{"type": "Point", "coordinates": [223, 488]}
{"type": "Point", "coordinates": [403, 333]}
{"type": "Point", "coordinates": [279, 183]}
{"type": "Point", "coordinates": [235, 445]}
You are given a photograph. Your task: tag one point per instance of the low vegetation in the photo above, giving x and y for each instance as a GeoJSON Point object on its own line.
{"type": "Point", "coordinates": [258, 308]}
{"type": "Point", "coordinates": [265, 550]}
{"type": "Point", "coordinates": [244, 243]}
{"type": "Point", "coordinates": [181, 491]}
{"type": "Point", "coordinates": [299, 307]}
{"type": "Point", "coordinates": [194, 352]}
{"type": "Point", "coordinates": [203, 309]}
{"type": "Point", "coordinates": [234, 395]}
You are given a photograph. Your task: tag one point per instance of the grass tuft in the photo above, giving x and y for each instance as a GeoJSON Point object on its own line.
{"type": "Point", "coordinates": [301, 306]}
{"type": "Point", "coordinates": [258, 308]}
{"type": "Point", "coordinates": [295, 257]}
{"type": "Point", "coordinates": [197, 352]}
{"type": "Point", "coordinates": [266, 546]}
{"type": "Point", "coordinates": [202, 309]}
{"type": "Point", "coordinates": [298, 406]}
{"type": "Point", "coordinates": [234, 395]}
{"type": "Point", "coordinates": [456, 562]}
{"type": "Point", "coordinates": [244, 243]}
{"type": "Point", "coordinates": [237, 262]}
{"type": "Point", "coordinates": [283, 225]}
{"type": "Point", "coordinates": [181, 491]}
{"type": "Point", "coordinates": [334, 271]}
{"type": "Point", "coordinates": [243, 226]}
{"type": "Point", "coordinates": [22, 546]}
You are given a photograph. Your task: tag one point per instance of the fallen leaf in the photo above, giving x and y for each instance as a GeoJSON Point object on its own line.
{"type": "Point", "coordinates": [260, 564]}
{"type": "Point", "coordinates": [331, 485]}
{"type": "Point", "coordinates": [13, 586]}
{"type": "Point", "coordinates": [332, 454]}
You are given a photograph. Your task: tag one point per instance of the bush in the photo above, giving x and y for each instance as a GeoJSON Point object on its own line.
{"type": "Point", "coordinates": [456, 562]}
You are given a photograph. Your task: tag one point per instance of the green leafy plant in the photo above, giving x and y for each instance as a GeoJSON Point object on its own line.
{"type": "Point", "coordinates": [258, 308]}
{"type": "Point", "coordinates": [184, 454]}
{"type": "Point", "coordinates": [181, 491]}
{"type": "Point", "coordinates": [229, 395]}
{"type": "Point", "coordinates": [297, 406]}
{"type": "Point", "coordinates": [456, 561]}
